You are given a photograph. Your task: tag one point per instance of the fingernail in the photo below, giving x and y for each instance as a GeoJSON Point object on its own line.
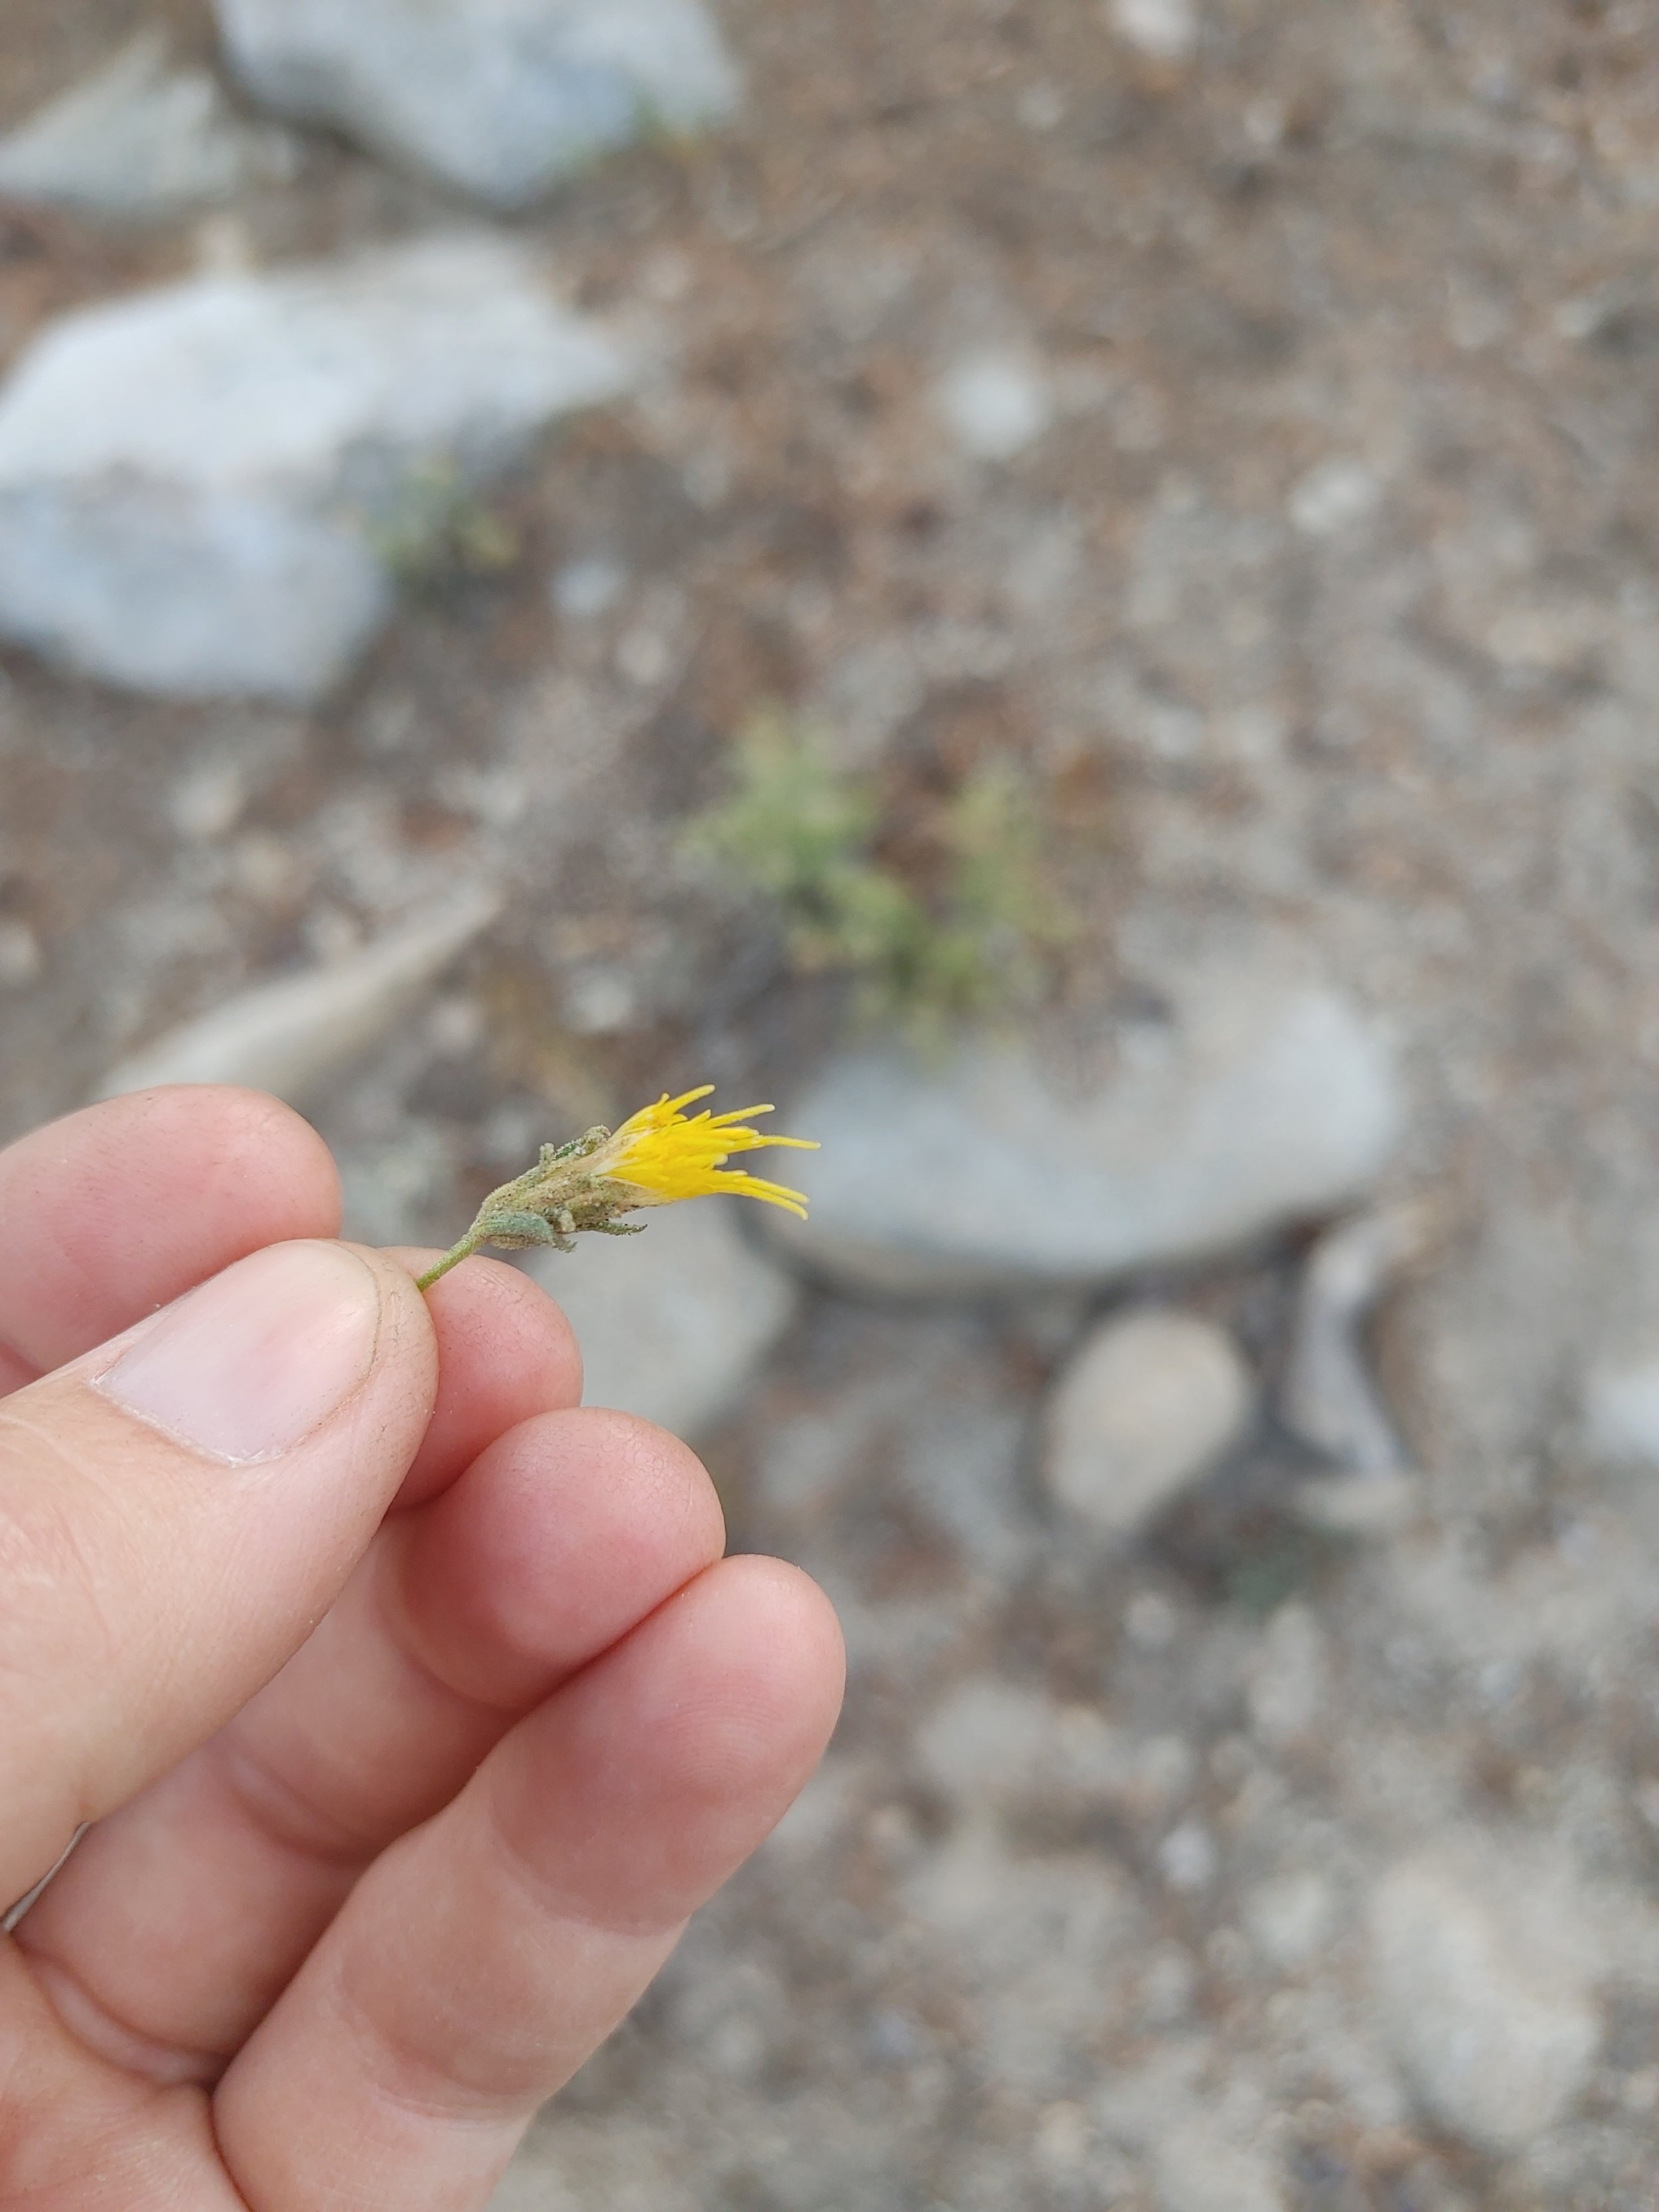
{"type": "Point", "coordinates": [248, 1365]}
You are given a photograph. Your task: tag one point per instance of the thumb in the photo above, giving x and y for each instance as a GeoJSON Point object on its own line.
{"type": "Point", "coordinates": [177, 1511]}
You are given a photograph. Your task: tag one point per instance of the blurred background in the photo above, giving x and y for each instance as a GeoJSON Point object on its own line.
{"type": "Point", "coordinates": [1067, 591]}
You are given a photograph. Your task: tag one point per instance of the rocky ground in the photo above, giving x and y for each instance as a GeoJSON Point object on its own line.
{"type": "Point", "coordinates": [1226, 1409]}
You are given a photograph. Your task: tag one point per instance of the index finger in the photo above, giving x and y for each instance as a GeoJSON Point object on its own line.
{"type": "Point", "coordinates": [117, 1210]}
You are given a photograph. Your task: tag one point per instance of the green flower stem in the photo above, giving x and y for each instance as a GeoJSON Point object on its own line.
{"type": "Point", "coordinates": [468, 1245]}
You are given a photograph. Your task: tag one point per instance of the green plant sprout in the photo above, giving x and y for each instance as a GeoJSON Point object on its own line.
{"type": "Point", "coordinates": [802, 831]}
{"type": "Point", "coordinates": [438, 525]}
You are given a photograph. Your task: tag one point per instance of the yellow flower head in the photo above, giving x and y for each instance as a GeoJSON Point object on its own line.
{"type": "Point", "coordinates": [662, 1153]}
{"type": "Point", "coordinates": [658, 1155]}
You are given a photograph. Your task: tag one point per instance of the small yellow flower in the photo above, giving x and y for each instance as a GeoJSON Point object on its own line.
{"type": "Point", "coordinates": [658, 1155]}
{"type": "Point", "coordinates": [661, 1154]}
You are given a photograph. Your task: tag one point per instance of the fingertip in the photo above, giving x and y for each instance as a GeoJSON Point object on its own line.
{"type": "Point", "coordinates": [660, 1768]}
{"type": "Point", "coordinates": [407, 1342]}
{"type": "Point", "coordinates": [772, 1661]}
{"type": "Point", "coordinates": [506, 1354]}
{"type": "Point", "coordinates": [554, 1545]}
{"type": "Point", "coordinates": [119, 1208]}
{"type": "Point", "coordinates": [247, 1138]}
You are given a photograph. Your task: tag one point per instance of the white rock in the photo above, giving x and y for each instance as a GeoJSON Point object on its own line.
{"type": "Point", "coordinates": [675, 1324]}
{"type": "Point", "coordinates": [1333, 496]}
{"type": "Point", "coordinates": [1622, 1412]}
{"type": "Point", "coordinates": [1166, 29]}
{"type": "Point", "coordinates": [288, 1037]}
{"type": "Point", "coordinates": [1484, 1987]}
{"type": "Point", "coordinates": [1186, 1858]}
{"type": "Point", "coordinates": [1380, 1505]}
{"type": "Point", "coordinates": [1328, 1396]}
{"type": "Point", "coordinates": [500, 98]}
{"type": "Point", "coordinates": [141, 141]}
{"type": "Point", "coordinates": [20, 955]}
{"type": "Point", "coordinates": [191, 479]}
{"type": "Point", "coordinates": [1263, 1102]}
{"type": "Point", "coordinates": [995, 403]}
{"type": "Point", "coordinates": [1144, 1410]}
{"type": "Point", "coordinates": [1290, 1918]}
{"type": "Point", "coordinates": [582, 589]}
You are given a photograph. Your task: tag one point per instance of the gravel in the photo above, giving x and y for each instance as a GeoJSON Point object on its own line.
{"type": "Point", "coordinates": [1321, 608]}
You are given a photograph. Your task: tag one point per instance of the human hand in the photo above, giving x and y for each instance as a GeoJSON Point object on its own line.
{"type": "Point", "coordinates": [415, 1709]}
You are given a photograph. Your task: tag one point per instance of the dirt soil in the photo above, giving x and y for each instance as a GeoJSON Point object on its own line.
{"type": "Point", "coordinates": [1327, 600]}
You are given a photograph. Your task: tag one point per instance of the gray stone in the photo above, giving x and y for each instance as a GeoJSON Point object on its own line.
{"type": "Point", "coordinates": [141, 142]}
{"type": "Point", "coordinates": [996, 402]}
{"type": "Point", "coordinates": [1484, 1984]}
{"type": "Point", "coordinates": [1328, 1396]}
{"type": "Point", "coordinates": [675, 1324]}
{"type": "Point", "coordinates": [1334, 497]}
{"type": "Point", "coordinates": [1622, 1412]}
{"type": "Point", "coordinates": [1186, 1858]}
{"type": "Point", "coordinates": [195, 483]}
{"type": "Point", "coordinates": [501, 99]}
{"type": "Point", "coordinates": [289, 1036]}
{"type": "Point", "coordinates": [1145, 1409]}
{"type": "Point", "coordinates": [1381, 1505]}
{"type": "Point", "coordinates": [20, 955]}
{"type": "Point", "coordinates": [1263, 1102]}
{"type": "Point", "coordinates": [584, 589]}
{"type": "Point", "coordinates": [1165, 30]}
{"type": "Point", "coordinates": [1292, 1917]}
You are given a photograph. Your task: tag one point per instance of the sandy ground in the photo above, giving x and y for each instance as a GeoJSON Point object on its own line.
{"type": "Point", "coordinates": [1325, 600]}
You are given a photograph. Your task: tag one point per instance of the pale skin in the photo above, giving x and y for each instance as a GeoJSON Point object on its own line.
{"type": "Point", "coordinates": [409, 1749]}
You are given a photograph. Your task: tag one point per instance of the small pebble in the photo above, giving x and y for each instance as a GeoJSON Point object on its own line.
{"type": "Point", "coordinates": [1165, 30]}
{"type": "Point", "coordinates": [1333, 496]}
{"type": "Point", "coordinates": [1485, 1988]}
{"type": "Point", "coordinates": [20, 955]}
{"type": "Point", "coordinates": [1145, 1409]}
{"type": "Point", "coordinates": [582, 589]}
{"type": "Point", "coordinates": [1187, 1857]}
{"type": "Point", "coordinates": [996, 403]}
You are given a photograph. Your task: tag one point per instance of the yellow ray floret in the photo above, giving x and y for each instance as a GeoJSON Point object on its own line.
{"type": "Point", "coordinates": [665, 1154]}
